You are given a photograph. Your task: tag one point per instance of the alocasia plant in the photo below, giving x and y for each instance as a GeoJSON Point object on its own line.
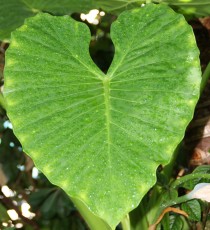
{"type": "Point", "coordinates": [101, 137]}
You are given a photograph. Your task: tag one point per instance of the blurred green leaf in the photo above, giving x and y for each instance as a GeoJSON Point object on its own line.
{"type": "Point", "coordinates": [37, 198]}
{"type": "Point", "coordinates": [51, 202]}
{"type": "Point", "coordinates": [199, 8]}
{"type": "Point", "coordinates": [2, 101]}
{"type": "Point", "coordinates": [193, 209]}
{"type": "Point", "coordinates": [175, 223]}
{"type": "Point", "coordinates": [60, 7]}
{"type": "Point", "coordinates": [14, 12]}
{"type": "Point", "coordinates": [10, 149]}
{"type": "Point", "coordinates": [205, 169]}
{"type": "Point", "coordinates": [162, 179]}
{"type": "Point", "coordinates": [165, 222]}
{"type": "Point", "coordinates": [64, 205]}
{"type": "Point", "coordinates": [3, 213]}
{"type": "Point", "coordinates": [76, 224]}
{"type": "Point", "coordinates": [117, 6]}
{"type": "Point", "coordinates": [12, 15]}
{"type": "Point", "coordinates": [49, 207]}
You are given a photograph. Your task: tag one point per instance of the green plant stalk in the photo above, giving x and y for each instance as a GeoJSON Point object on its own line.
{"type": "Point", "coordinates": [168, 169]}
{"type": "Point", "coordinates": [143, 216]}
{"type": "Point", "coordinates": [126, 223]}
{"type": "Point", "coordinates": [157, 198]}
{"type": "Point", "coordinates": [189, 177]}
{"type": "Point", "coordinates": [138, 217]}
{"type": "Point", "coordinates": [92, 221]}
{"type": "Point", "coordinates": [156, 201]}
{"type": "Point", "coordinates": [95, 222]}
{"type": "Point", "coordinates": [2, 101]}
{"type": "Point", "coordinates": [179, 200]}
{"type": "Point", "coordinates": [153, 203]}
{"type": "Point", "coordinates": [205, 77]}
{"type": "Point", "coordinates": [144, 221]}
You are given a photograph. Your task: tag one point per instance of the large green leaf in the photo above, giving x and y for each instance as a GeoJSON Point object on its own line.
{"type": "Point", "coordinates": [101, 137]}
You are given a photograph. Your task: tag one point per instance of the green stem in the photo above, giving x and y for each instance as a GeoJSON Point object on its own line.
{"type": "Point", "coordinates": [2, 101]}
{"type": "Point", "coordinates": [94, 222]}
{"type": "Point", "coordinates": [205, 77]}
{"type": "Point", "coordinates": [138, 217]}
{"type": "Point", "coordinates": [179, 200]}
{"type": "Point", "coordinates": [189, 177]}
{"type": "Point", "coordinates": [126, 223]}
{"type": "Point", "coordinates": [168, 169]}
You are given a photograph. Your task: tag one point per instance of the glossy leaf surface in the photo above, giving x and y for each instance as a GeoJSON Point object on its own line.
{"type": "Point", "coordinates": [101, 137]}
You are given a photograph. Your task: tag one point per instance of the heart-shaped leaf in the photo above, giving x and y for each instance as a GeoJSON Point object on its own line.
{"type": "Point", "coordinates": [101, 137]}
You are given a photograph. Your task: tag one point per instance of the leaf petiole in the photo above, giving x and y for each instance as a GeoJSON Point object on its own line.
{"type": "Point", "coordinates": [126, 223]}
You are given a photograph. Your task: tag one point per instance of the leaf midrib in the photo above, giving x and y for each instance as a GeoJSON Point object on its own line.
{"type": "Point", "coordinates": [106, 84]}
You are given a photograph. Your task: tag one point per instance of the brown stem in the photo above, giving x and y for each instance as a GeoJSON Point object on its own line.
{"type": "Point", "coordinates": [169, 209]}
